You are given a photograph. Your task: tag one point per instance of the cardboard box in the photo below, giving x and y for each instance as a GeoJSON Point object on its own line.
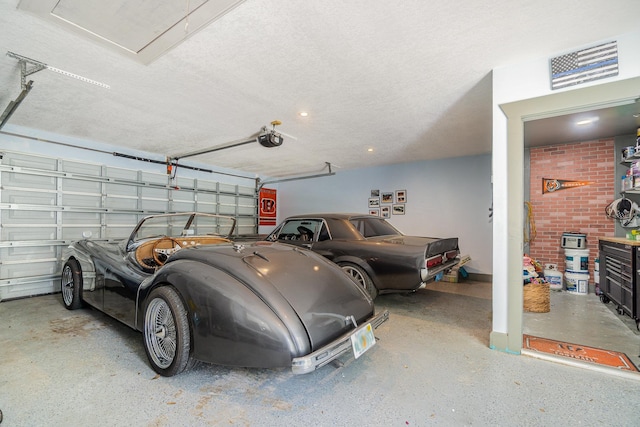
{"type": "Point", "coordinates": [454, 275]}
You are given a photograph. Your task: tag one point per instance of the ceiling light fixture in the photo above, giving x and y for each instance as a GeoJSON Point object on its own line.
{"type": "Point", "coordinates": [586, 121]}
{"type": "Point", "coordinates": [303, 114]}
{"type": "Point", "coordinates": [370, 150]}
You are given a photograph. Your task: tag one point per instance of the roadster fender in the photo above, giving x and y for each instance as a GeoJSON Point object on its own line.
{"type": "Point", "coordinates": [255, 328]}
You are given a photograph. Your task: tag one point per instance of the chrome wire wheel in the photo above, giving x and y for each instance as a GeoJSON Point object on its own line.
{"type": "Point", "coordinates": [67, 286]}
{"type": "Point", "coordinates": [71, 284]}
{"type": "Point", "coordinates": [166, 332]}
{"type": "Point", "coordinates": [160, 333]}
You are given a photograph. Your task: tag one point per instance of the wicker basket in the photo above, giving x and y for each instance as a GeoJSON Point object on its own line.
{"type": "Point", "coordinates": [536, 298]}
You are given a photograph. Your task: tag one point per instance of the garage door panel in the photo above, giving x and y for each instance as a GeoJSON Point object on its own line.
{"type": "Point", "coordinates": [88, 169]}
{"type": "Point", "coordinates": [23, 233]}
{"type": "Point", "coordinates": [81, 186]}
{"type": "Point", "coordinates": [26, 289]}
{"type": "Point", "coordinates": [121, 203]}
{"type": "Point", "coordinates": [117, 233]}
{"type": "Point", "coordinates": [31, 161]}
{"type": "Point", "coordinates": [17, 179]}
{"type": "Point", "coordinates": [81, 201]}
{"type": "Point", "coordinates": [127, 220]}
{"type": "Point", "coordinates": [226, 188]}
{"type": "Point", "coordinates": [28, 197]}
{"type": "Point", "coordinates": [247, 191]}
{"type": "Point", "coordinates": [246, 210]}
{"type": "Point", "coordinates": [207, 185]}
{"type": "Point", "coordinates": [76, 219]}
{"type": "Point", "coordinates": [155, 193]}
{"type": "Point", "coordinates": [28, 217]}
{"type": "Point", "coordinates": [78, 233]}
{"type": "Point", "coordinates": [15, 254]}
{"type": "Point", "coordinates": [45, 203]}
{"type": "Point", "coordinates": [29, 268]}
{"type": "Point", "coordinates": [183, 206]}
{"type": "Point", "coordinates": [154, 205]}
{"type": "Point", "coordinates": [182, 182]}
{"type": "Point", "coordinates": [113, 189]}
{"type": "Point", "coordinates": [154, 178]}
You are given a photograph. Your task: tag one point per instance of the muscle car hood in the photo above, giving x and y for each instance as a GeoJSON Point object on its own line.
{"type": "Point", "coordinates": [326, 308]}
{"type": "Point", "coordinates": [431, 245]}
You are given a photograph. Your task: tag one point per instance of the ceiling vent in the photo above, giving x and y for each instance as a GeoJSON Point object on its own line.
{"type": "Point", "coordinates": [142, 30]}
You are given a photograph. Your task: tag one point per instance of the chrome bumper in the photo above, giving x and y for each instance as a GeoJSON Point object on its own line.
{"type": "Point", "coordinates": [429, 274]}
{"type": "Point", "coordinates": [331, 351]}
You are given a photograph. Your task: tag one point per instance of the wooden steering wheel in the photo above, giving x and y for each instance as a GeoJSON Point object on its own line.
{"type": "Point", "coordinates": [160, 255]}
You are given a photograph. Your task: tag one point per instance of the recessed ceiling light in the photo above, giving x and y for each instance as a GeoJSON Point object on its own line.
{"type": "Point", "coordinates": [303, 114]}
{"type": "Point", "coordinates": [370, 150]}
{"type": "Point", "coordinates": [587, 121]}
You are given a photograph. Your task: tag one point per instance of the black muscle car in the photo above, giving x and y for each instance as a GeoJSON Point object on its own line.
{"type": "Point", "coordinates": [195, 295]}
{"type": "Point", "coordinates": [376, 255]}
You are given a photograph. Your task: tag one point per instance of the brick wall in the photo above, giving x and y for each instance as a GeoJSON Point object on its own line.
{"type": "Point", "coordinates": [579, 209]}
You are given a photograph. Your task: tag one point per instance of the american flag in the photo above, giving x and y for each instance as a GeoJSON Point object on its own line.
{"type": "Point", "coordinates": [584, 65]}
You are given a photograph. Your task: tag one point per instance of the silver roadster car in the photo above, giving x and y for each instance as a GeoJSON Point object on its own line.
{"type": "Point", "coordinates": [379, 257]}
{"type": "Point", "coordinates": [197, 296]}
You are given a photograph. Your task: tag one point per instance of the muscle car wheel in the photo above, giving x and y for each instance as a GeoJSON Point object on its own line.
{"type": "Point", "coordinates": [71, 285]}
{"type": "Point", "coordinates": [166, 332]}
{"type": "Point", "coordinates": [361, 278]}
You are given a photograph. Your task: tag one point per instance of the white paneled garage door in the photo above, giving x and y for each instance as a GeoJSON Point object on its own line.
{"type": "Point", "coordinates": [46, 203]}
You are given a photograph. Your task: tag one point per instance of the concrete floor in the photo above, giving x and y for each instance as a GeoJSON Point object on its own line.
{"type": "Point", "coordinates": [431, 366]}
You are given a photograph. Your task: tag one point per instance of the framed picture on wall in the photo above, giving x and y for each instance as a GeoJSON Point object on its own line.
{"type": "Point", "coordinates": [374, 202]}
{"type": "Point", "coordinates": [375, 212]}
{"type": "Point", "coordinates": [385, 211]}
{"type": "Point", "coordinates": [375, 193]}
{"type": "Point", "coordinates": [387, 197]}
{"type": "Point", "coordinates": [401, 196]}
{"type": "Point", "coordinates": [398, 209]}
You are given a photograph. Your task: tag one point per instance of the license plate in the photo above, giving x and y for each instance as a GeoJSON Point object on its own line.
{"type": "Point", "coordinates": [362, 340]}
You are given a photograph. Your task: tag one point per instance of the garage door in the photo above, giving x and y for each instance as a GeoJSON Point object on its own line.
{"type": "Point", "coordinates": [47, 203]}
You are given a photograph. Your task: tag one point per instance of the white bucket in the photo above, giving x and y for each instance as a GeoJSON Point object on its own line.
{"type": "Point", "coordinates": [576, 259]}
{"type": "Point", "coordinates": [577, 282]}
{"type": "Point", "coordinates": [554, 278]}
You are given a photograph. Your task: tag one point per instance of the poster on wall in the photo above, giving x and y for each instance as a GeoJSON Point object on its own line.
{"type": "Point", "coordinates": [267, 204]}
{"type": "Point", "coordinates": [551, 185]}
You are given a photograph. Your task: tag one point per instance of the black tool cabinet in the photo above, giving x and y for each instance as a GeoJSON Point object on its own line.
{"type": "Point", "coordinates": [619, 276]}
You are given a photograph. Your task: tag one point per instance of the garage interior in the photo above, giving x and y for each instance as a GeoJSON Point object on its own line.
{"type": "Point", "coordinates": [111, 114]}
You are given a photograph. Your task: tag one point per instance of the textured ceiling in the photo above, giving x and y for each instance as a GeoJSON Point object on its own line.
{"type": "Point", "coordinates": [409, 79]}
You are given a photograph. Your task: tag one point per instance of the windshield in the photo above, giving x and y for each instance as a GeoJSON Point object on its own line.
{"type": "Point", "coordinates": [373, 227]}
{"type": "Point", "coordinates": [183, 224]}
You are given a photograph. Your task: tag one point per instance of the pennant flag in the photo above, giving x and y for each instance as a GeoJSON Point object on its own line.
{"type": "Point", "coordinates": [584, 65]}
{"type": "Point", "coordinates": [551, 185]}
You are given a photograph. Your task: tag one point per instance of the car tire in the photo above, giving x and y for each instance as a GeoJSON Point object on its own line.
{"type": "Point", "coordinates": [166, 333]}
{"type": "Point", "coordinates": [71, 285]}
{"type": "Point", "coordinates": [361, 277]}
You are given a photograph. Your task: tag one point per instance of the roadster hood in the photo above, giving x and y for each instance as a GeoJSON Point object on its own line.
{"type": "Point", "coordinates": [324, 298]}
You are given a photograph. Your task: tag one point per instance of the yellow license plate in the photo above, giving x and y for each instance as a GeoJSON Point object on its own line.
{"type": "Point", "coordinates": [362, 340]}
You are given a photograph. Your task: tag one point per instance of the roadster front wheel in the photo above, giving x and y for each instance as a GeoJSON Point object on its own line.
{"type": "Point", "coordinates": [166, 333]}
{"type": "Point", "coordinates": [71, 285]}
